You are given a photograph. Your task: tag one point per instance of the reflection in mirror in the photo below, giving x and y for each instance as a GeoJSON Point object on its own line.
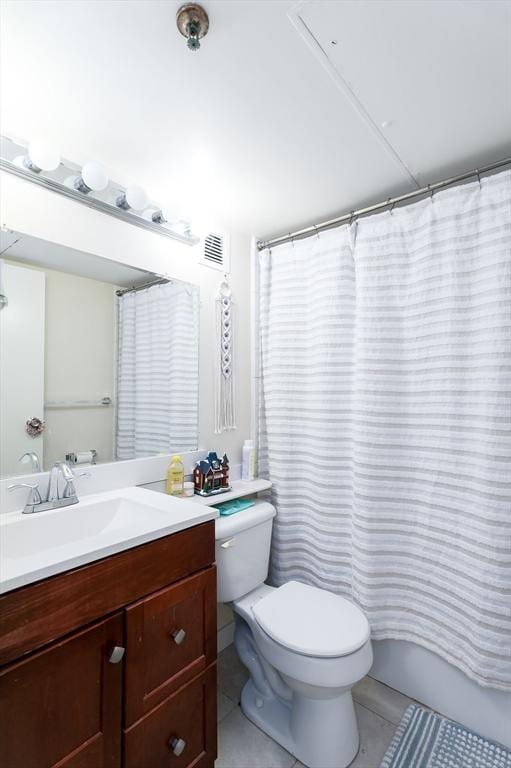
{"type": "Point", "coordinates": [157, 373]}
{"type": "Point", "coordinates": [98, 360]}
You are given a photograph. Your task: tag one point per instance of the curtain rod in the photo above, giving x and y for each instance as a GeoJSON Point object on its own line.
{"type": "Point", "coordinates": [391, 201]}
{"type": "Point", "coordinates": [135, 288]}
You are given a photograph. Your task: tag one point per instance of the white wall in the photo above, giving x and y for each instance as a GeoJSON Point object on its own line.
{"type": "Point", "coordinates": [34, 211]}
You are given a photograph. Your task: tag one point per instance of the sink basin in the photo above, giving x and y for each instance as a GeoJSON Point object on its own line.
{"type": "Point", "coordinates": [35, 546]}
{"type": "Point", "coordinates": [77, 525]}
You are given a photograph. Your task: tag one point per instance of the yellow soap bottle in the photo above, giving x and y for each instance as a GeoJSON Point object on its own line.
{"type": "Point", "coordinates": [175, 476]}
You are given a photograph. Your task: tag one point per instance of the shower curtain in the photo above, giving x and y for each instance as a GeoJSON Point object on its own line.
{"type": "Point", "coordinates": [158, 371]}
{"type": "Point", "coordinates": [384, 420]}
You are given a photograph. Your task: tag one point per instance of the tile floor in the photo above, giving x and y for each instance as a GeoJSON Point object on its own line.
{"type": "Point", "coordinates": [242, 745]}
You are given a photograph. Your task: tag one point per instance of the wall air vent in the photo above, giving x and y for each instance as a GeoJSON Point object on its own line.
{"type": "Point", "coordinates": [215, 251]}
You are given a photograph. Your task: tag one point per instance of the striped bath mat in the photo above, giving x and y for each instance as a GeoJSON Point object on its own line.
{"type": "Point", "coordinates": [426, 740]}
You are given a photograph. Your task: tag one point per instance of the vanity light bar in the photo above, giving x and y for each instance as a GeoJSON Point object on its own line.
{"type": "Point", "coordinates": [90, 186]}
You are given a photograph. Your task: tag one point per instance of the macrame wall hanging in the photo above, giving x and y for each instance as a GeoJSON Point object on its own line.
{"type": "Point", "coordinates": [225, 413]}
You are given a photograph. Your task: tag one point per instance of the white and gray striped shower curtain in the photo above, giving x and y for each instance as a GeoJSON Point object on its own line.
{"type": "Point", "coordinates": [158, 371]}
{"type": "Point", "coordinates": [384, 420]}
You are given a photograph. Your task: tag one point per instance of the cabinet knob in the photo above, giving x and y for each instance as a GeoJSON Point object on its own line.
{"type": "Point", "coordinates": [178, 636]}
{"type": "Point", "coordinates": [116, 654]}
{"type": "Point", "coordinates": [178, 746]}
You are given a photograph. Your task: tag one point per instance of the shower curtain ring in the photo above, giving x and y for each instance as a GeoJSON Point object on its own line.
{"type": "Point", "coordinates": [317, 233]}
{"type": "Point", "coordinates": [478, 178]}
{"type": "Point", "coordinates": [391, 205]}
{"type": "Point", "coordinates": [431, 192]}
{"type": "Point", "coordinates": [352, 216]}
{"type": "Point", "coordinates": [292, 239]}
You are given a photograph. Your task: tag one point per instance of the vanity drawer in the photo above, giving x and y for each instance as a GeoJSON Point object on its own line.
{"type": "Point", "coordinates": [188, 716]}
{"type": "Point", "coordinates": [170, 638]}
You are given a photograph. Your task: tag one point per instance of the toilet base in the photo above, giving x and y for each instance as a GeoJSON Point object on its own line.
{"type": "Point", "coordinates": [319, 733]}
{"type": "Point", "coordinates": [273, 717]}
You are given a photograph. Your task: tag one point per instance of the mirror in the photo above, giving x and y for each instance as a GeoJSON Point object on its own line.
{"type": "Point", "coordinates": [98, 361]}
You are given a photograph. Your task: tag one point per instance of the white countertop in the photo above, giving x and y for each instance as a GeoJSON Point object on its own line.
{"type": "Point", "coordinates": [33, 547]}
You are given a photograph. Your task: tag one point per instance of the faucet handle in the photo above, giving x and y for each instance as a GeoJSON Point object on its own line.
{"type": "Point", "coordinates": [34, 496]}
{"type": "Point", "coordinates": [64, 467]}
{"type": "Point", "coordinates": [69, 488]}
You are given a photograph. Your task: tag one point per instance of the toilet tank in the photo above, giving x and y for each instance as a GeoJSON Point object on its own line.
{"type": "Point", "coordinates": [243, 550]}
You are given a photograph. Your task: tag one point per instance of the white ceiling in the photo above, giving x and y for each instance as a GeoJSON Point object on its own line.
{"type": "Point", "coordinates": [269, 126]}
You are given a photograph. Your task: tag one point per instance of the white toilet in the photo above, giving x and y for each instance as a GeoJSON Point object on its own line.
{"type": "Point", "coordinates": [304, 647]}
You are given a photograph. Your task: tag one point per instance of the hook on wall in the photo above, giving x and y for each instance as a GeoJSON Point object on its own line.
{"type": "Point", "coordinates": [225, 287]}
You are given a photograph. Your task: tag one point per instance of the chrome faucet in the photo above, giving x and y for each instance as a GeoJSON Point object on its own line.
{"type": "Point", "coordinates": [61, 470]}
{"type": "Point", "coordinates": [33, 458]}
{"type": "Point", "coordinates": [56, 495]}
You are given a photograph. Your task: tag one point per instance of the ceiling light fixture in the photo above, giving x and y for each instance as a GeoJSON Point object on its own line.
{"type": "Point", "coordinates": [193, 23]}
{"type": "Point", "coordinates": [90, 185]}
{"type": "Point", "coordinates": [41, 156]}
{"type": "Point", "coordinates": [134, 197]}
{"type": "Point", "coordinates": [92, 178]}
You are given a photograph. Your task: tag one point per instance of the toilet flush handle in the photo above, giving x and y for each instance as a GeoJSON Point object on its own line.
{"type": "Point", "coordinates": [228, 543]}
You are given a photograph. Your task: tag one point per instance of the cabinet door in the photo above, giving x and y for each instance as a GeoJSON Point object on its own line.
{"type": "Point", "coordinates": [180, 732]}
{"type": "Point", "coordinates": [170, 638]}
{"type": "Point", "coordinates": [62, 706]}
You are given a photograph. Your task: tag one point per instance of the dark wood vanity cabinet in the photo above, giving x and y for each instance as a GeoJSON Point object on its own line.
{"type": "Point", "coordinates": [71, 698]}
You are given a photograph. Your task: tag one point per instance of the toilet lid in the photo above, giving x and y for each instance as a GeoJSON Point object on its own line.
{"type": "Point", "coordinates": [312, 621]}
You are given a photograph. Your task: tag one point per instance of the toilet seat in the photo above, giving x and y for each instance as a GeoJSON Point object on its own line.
{"type": "Point", "coordinates": [311, 621]}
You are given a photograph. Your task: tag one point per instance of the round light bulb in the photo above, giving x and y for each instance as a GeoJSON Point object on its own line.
{"type": "Point", "coordinates": [43, 155]}
{"type": "Point", "coordinates": [136, 197]}
{"type": "Point", "coordinates": [94, 176]}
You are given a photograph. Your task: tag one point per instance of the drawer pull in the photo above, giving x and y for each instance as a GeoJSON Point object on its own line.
{"type": "Point", "coordinates": [178, 746]}
{"type": "Point", "coordinates": [116, 654]}
{"type": "Point", "coordinates": [178, 636]}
